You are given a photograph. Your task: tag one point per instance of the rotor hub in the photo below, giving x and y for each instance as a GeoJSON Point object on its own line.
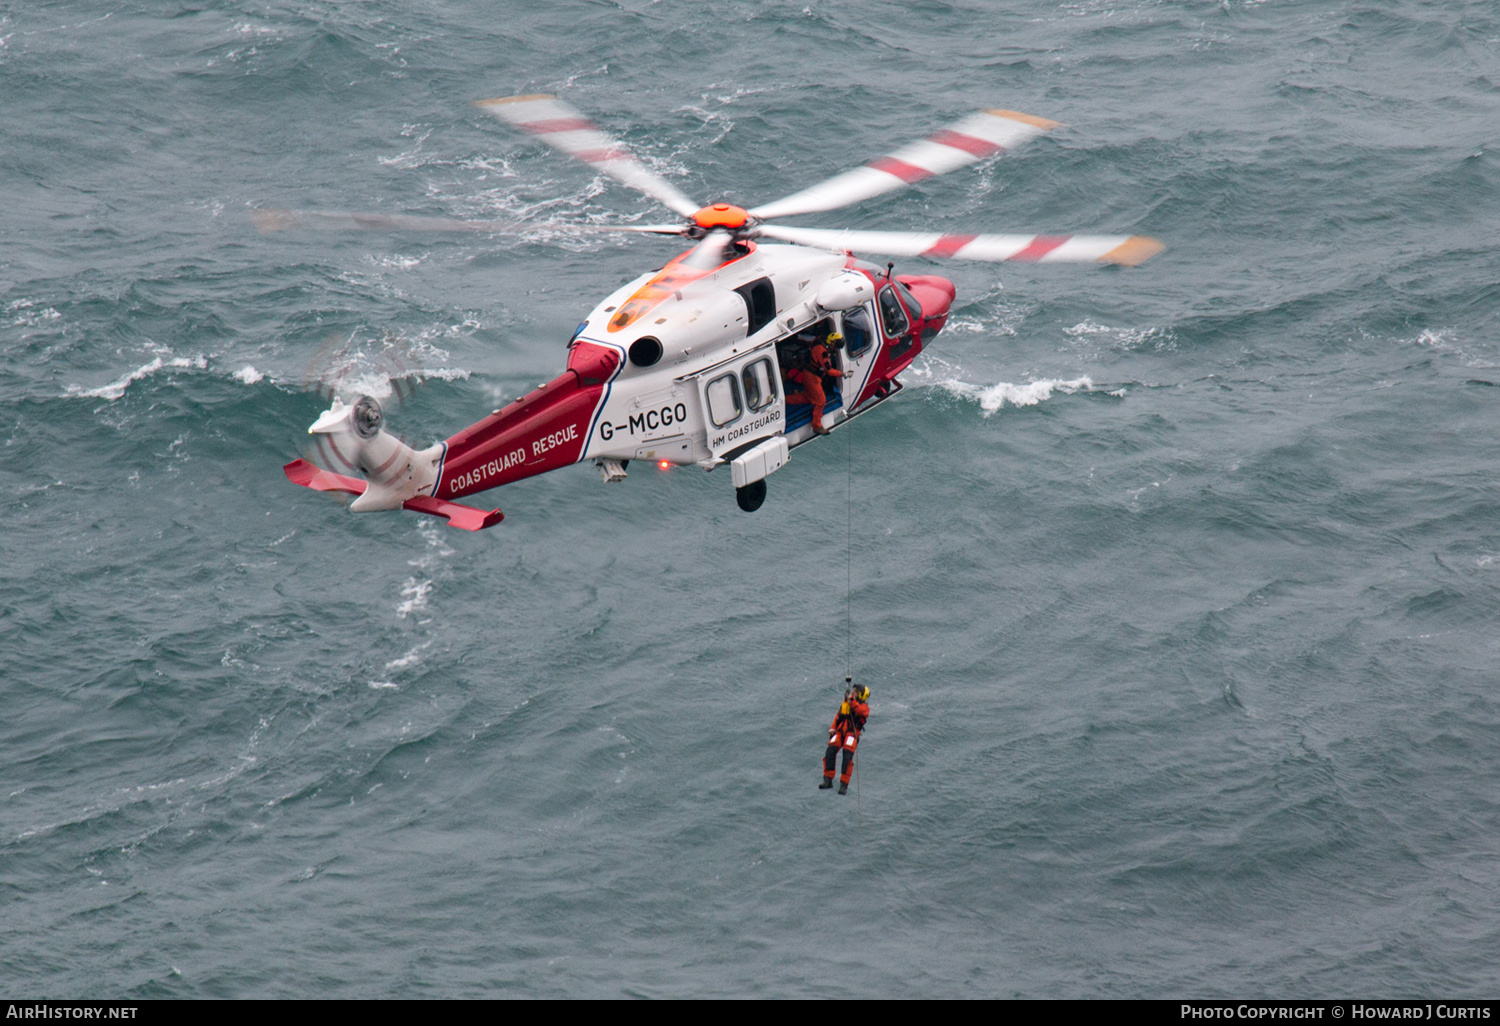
{"type": "Point", "coordinates": [367, 417]}
{"type": "Point", "coordinates": [721, 215]}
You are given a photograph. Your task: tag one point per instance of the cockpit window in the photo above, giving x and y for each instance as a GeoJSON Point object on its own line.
{"type": "Point", "coordinates": [909, 299]}
{"type": "Point", "coordinates": [892, 314]}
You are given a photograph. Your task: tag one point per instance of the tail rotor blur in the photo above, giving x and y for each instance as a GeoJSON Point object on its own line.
{"type": "Point", "coordinates": [358, 378]}
{"type": "Point", "coordinates": [351, 452]}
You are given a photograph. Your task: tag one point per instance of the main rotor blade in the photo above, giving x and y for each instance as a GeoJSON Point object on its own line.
{"type": "Point", "coordinates": [274, 220]}
{"type": "Point", "coordinates": [1046, 249]}
{"type": "Point", "coordinates": [558, 124]}
{"type": "Point", "coordinates": [973, 139]}
{"type": "Point", "coordinates": [650, 229]}
{"type": "Point", "coordinates": [710, 252]}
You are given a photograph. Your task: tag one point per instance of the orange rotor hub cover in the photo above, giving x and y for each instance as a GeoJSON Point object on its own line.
{"type": "Point", "coordinates": [721, 215]}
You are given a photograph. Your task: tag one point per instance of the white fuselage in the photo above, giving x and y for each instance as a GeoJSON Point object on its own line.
{"type": "Point", "coordinates": [708, 394]}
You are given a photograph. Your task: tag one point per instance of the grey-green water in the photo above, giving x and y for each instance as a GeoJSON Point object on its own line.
{"type": "Point", "coordinates": [1175, 586]}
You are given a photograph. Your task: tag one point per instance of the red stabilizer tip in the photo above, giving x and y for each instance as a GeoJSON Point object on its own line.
{"type": "Point", "coordinates": [466, 518]}
{"type": "Point", "coordinates": [303, 473]}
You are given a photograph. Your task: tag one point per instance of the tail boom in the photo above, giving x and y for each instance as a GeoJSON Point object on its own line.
{"type": "Point", "coordinates": [543, 430]}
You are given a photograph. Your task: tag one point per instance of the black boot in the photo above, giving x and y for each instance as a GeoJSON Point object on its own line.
{"type": "Point", "coordinates": [843, 787]}
{"type": "Point", "coordinates": [826, 784]}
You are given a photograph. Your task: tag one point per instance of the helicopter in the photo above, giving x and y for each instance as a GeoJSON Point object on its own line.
{"type": "Point", "coordinates": [693, 364]}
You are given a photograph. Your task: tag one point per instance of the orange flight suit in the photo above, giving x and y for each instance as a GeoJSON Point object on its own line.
{"type": "Point", "coordinates": [843, 735]}
{"type": "Point", "coordinates": [809, 390]}
{"type": "Point", "coordinates": [822, 362]}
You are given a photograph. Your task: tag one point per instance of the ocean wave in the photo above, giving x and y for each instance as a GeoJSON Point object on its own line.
{"type": "Point", "coordinates": [992, 398]}
{"type": "Point", "coordinates": [1449, 342]}
{"type": "Point", "coordinates": [115, 389]}
{"type": "Point", "coordinates": [1124, 339]}
{"type": "Point", "coordinates": [947, 376]}
{"type": "Point", "coordinates": [373, 382]}
{"type": "Point", "coordinates": [412, 657]}
{"type": "Point", "coordinates": [383, 386]}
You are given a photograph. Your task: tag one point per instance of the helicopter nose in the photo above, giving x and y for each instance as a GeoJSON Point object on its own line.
{"type": "Point", "coordinates": [935, 296]}
{"type": "Point", "coordinates": [934, 293]}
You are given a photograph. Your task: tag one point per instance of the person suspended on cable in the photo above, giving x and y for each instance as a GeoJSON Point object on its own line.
{"type": "Point", "coordinates": [843, 735]}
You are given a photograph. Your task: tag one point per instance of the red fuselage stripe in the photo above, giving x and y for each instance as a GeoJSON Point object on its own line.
{"type": "Point", "coordinates": [1041, 246]}
{"type": "Point", "coordinates": [968, 143]}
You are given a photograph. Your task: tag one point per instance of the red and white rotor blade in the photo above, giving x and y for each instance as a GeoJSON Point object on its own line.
{"type": "Point", "coordinates": [269, 220]}
{"type": "Point", "coordinates": [976, 137]}
{"type": "Point", "coordinates": [649, 229]}
{"type": "Point", "coordinates": [559, 125]}
{"type": "Point", "coordinates": [1043, 249]}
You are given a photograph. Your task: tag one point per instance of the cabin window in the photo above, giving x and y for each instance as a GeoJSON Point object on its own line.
{"type": "Point", "coordinates": [858, 331]}
{"type": "Point", "coordinates": [892, 314]}
{"type": "Point", "coordinates": [760, 303]}
{"type": "Point", "coordinates": [724, 400]}
{"type": "Point", "coordinates": [760, 385]}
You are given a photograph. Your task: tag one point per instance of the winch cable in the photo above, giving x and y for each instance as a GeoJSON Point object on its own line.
{"type": "Point", "coordinates": [849, 589]}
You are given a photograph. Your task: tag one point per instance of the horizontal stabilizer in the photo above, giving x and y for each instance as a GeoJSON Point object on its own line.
{"type": "Point", "coordinates": [319, 480]}
{"type": "Point", "coordinates": [465, 518]}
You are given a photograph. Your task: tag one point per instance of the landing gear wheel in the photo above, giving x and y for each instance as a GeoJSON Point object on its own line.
{"type": "Point", "coordinates": [751, 496]}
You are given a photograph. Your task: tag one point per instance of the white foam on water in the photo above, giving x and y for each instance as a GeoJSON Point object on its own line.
{"type": "Point", "coordinates": [498, 166]}
{"type": "Point", "coordinates": [371, 367]}
{"type": "Point", "coordinates": [27, 316]}
{"type": "Point", "coordinates": [115, 389]}
{"type": "Point", "coordinates": [414, 157]}
{"type": "Point", "coordinates": [938, 373]}
{"type": "Point", "coordinates": [992, 398]}
{"type": "Point", "coordinates": [442, 373]}
{"type": "Point", "coordinates": [395, 261]}
{"type": "Point", "coordinates": [411, 657]}
{"type": "Point", "coordinates": [379, 385]}
{"type": "Point", "coordinates": [438, 549]}
{"type": "Point", "coordinates": [414, 592]}
{"type": "Point", "coordinates": [248, 375]}
{"type": "Point", "coordinates": [1479, 354]}
{"type": "Point", "coordinates": [1126, 339]}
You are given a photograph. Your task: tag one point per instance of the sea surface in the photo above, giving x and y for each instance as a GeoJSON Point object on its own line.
{"type": "Point", "coordinates": [1176, 587]}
